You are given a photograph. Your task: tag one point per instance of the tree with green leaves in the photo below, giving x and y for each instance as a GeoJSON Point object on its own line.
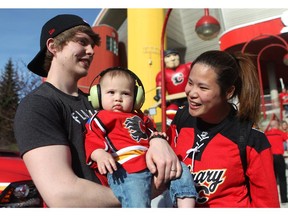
{"type": "Point", "coordinates": [8, 103]}
{"type": "Point", "coordinates": [15, 84]}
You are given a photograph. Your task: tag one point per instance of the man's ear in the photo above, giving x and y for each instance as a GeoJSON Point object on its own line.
{"type": "Point", "coordinates": [51, 46]}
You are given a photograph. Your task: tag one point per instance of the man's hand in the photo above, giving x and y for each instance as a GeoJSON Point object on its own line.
{"type": "Point", "coordinates": [162, 162]}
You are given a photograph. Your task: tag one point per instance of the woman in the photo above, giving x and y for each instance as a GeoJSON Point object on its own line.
{"type": "Point", "coordinates": [209, 132]}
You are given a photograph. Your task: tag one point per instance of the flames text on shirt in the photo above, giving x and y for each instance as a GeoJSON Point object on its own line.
{"type": "Point", "coordinates": [82, 115]}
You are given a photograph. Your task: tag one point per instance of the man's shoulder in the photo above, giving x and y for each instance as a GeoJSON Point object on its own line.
{"type": "Point", "coordinates": [45, 95]}
{"type": "Point", "coordinates": [42, 89]}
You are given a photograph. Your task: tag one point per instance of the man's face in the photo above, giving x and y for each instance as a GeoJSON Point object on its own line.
{"type": "Point", "coordinates": [76, 56]}
{"type": "Point", "coordinates": [172, 60]}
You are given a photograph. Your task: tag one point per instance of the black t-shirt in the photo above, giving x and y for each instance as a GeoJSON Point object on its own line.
{"type": "Point", "coordinates": [48, 116]}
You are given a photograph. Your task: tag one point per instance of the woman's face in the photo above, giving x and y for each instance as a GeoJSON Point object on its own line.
{"type": "Point", "coordinates": [204, 95]}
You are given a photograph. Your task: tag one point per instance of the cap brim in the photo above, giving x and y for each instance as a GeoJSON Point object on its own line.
{"type": "Point", "coordinates": [36, 65]}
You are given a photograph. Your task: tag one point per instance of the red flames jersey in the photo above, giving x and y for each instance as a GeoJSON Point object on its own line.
{"type": "Point", "coordinates": [176, 79]}
{"type": "Point", "coordinates": [124, 135]}
{"type": "Point", "coordinates": [212, 154]}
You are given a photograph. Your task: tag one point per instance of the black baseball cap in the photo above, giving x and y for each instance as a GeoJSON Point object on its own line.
{"type": "Point", "coordinates": [170, 51]}
{"type": "Point", "coordinates": [51, 29]}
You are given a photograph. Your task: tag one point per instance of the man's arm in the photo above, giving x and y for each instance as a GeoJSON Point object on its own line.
{"type": "Point", "coordinates": [50, 169]}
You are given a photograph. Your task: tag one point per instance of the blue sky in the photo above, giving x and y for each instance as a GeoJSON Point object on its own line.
{"type": "Point", "coordinates": [21, 28]}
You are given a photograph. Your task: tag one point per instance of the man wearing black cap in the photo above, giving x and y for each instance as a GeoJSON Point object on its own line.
{"type": "Point", "coordinates": [176, 77]}
{"type": "Point", "coordinates": [49, 122]}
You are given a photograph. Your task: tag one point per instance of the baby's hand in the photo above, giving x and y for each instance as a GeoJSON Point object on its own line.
{"type": "Point", "coordinates": [105, 161]}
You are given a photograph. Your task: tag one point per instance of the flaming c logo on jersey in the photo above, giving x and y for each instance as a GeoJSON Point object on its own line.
{"type": "Point", "coordinates": [177, 79]}
{"type": "Point", "coordinates": [136, 126]}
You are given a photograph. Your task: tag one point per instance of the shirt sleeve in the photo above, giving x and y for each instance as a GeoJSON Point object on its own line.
{"type": "Point", "coordinates": [260, 171]}
{"type": "Point", "coordinates": [38, 123]}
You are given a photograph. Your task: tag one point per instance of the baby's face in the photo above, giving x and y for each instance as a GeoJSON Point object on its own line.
{"type": "Point", "coordinates": [117, 94]}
